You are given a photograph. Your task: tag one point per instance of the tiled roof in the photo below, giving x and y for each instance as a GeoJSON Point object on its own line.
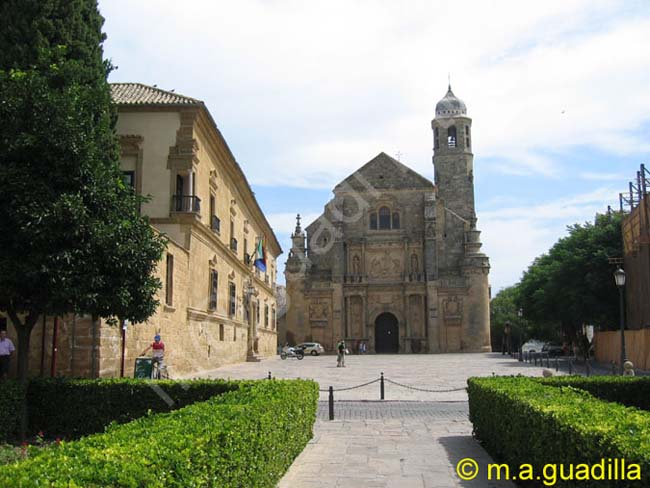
{"type": "Point", "coordinates": [139, 94]}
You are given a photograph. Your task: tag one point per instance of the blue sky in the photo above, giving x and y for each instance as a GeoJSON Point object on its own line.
{"type": "Point", "coordinates": [306, 92]}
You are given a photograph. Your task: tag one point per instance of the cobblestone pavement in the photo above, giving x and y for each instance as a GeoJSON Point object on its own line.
{"type": "Point", "coordinates": [390, 444]}
{"type": "Point", "coordinates": [350, 410]}
{"type": "Point", "coordinates": [427, 371]}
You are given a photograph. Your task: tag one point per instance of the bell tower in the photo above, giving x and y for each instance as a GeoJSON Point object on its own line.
{"type": "Point", "coordinates": [453, 160]}
{"type": "Point", "coordinates": [463, 296]}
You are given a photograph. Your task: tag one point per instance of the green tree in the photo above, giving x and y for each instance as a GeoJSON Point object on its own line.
{"type": "Point", "coordinates": [573, 283]}
{"type": "Point", "coordinates": [505, 307]}
{"type": "Point", "coordinates": [71, 237]}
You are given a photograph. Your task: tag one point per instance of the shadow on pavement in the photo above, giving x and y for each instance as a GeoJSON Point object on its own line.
{"type": "Point", "coordinates": [460, 447]}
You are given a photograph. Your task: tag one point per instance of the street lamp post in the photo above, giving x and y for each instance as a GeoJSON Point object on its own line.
{"type": "Point", "coordinates": [619, 277]}
{"type": "Point", "coordinates": [520, 314]}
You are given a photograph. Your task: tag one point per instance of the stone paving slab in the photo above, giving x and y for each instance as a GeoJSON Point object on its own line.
{"type": "Point", "coordinates": [390, 445]}
{"type": "Point", "coordinates": [413, 439]}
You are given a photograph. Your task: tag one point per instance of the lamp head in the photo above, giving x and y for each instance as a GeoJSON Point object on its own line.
{"type": "Point", "coordinates": [619, 277]}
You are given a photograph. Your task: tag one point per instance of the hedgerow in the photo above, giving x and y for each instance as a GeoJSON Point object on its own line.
{"type": "Point", "coordinates": [524, 421]}
{"type": "Point", "coordinates": [630, 391]}
{"type": "Point", "coordinates": [247, 437]}
{"type": "Point", "coordinates": [12, 395]}
{"type": "Point", "coordinates": [70, 408]}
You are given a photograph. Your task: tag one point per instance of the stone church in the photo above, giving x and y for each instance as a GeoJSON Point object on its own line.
{"type": "Point", "coordinates": [395, 260]}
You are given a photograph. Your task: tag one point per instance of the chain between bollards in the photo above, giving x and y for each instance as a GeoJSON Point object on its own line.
{"type": "Point", "coordinates": [381, 386]}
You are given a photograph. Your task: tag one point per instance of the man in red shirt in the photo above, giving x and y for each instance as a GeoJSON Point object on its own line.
{"type": "Point", "coordinates": [158, 348]}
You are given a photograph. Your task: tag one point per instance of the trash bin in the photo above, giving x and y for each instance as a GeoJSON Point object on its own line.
{"type": "Point", "coordinates": [143, 367]}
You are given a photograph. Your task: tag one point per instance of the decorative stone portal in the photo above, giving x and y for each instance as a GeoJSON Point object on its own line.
{"type": "Point", "coordinates": [386, 333]}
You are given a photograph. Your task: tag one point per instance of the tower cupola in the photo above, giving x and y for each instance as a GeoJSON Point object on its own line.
{"type": "Point", "coordinates": [450, 105]}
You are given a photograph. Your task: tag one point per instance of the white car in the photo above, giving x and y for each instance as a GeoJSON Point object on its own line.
{"type": "Point", "coordinates": [533, 345]}
{"type": "Point", "coordinates": [313, 348]}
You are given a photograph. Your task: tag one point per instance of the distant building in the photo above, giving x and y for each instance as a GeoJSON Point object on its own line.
{"type": "Point", "coordinates": [216, 308]}
{"type": "Point", "coordinates": [395, 260]}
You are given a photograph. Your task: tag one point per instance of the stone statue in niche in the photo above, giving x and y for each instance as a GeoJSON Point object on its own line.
{"type": "Point", "coordinates": [415, 265]}
{"type": "Point", "coordinates": [356, 265]}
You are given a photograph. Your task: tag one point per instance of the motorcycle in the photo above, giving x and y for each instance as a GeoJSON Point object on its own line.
{"type": "Point", "coordinates": [292, 352]}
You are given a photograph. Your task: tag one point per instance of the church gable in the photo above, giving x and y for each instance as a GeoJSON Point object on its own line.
{"type": "Point", "coordinates": [384, 173]}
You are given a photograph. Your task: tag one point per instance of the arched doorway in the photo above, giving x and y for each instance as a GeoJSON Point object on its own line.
{"type": "Point", "coordinates": [386, 333]}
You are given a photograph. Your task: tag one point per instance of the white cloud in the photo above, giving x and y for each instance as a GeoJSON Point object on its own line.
{"type": "Point", "coordinates": [595, 176]}
{"type": "Point", "coordinates": [285, 223]}
{"type": "Point", "coordinates": [514, 236]}
{"type": "Point", "coordinates": [324, 81]}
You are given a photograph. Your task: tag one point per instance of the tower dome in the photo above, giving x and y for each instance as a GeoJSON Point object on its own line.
{"type": "Point", "coordinates": [450, 105]}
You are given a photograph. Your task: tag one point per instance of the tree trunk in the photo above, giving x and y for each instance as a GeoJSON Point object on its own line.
{"type": "Point", "coordinates": [24, 332]}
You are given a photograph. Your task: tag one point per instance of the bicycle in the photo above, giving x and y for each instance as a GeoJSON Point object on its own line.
{"type": "Point", "coordinates": [159, 370]}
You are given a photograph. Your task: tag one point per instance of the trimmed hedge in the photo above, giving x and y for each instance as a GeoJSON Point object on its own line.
{"type": "Point", "coordinates": [70, 408]}
{"type": "Point", "coordinates": [524, 421]}
{"type": "Point", "coordinates": [630, 391]}
{"type": "Point", "coordinates": [248, 437]}
{"type": "Point", "coordinates": [12, 394]}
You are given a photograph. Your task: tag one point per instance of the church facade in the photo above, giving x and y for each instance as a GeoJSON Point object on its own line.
{"type": "Point", "coordinates": [395, 260]}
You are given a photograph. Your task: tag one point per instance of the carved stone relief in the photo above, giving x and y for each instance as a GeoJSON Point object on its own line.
{"type": "Point", "coordinates": [319, 311]}
{"type": "Point", "coordinates": [452, 310]}
{"type": "Point", "coordinates": [356, 316]}
{"type": "Point", "coordinates": [385, 264]}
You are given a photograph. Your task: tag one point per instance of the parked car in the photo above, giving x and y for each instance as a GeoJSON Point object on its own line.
{"type": "Point", "coordinates": [553, 349]}
{"type": "Point", "coordinates": [533, 345]}
{"type": "Point", "coordinates": [313, 348]}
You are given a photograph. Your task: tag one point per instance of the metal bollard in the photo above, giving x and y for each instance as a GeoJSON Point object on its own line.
{"type": "Point", "coordinates": [269, 375]}
{"type": "Point", "coordinates": [570, 365]}
{"type": "Point", "coordinates": [557, 364]}
{"type": "Point", "coordinates": [381, 386]}
{"type": "Point", "coordinates": [331, 403]}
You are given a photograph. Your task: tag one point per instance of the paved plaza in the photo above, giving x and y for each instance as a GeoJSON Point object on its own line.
{"type": "Point", "coordinates": [412, 439]}
{"type": "Point", "coordinates": [425, 371]}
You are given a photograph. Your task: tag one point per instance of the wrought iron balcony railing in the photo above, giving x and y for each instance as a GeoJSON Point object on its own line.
{"type": "Point", "coordinates": [185, 203]}
{"type": "Point", "coordinates": [215, 225]}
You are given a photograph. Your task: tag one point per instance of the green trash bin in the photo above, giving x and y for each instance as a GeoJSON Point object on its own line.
{"type": "Point", "coordinates": [143, 367]}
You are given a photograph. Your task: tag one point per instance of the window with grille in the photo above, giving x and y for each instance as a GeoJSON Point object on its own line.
{"type": "Point", "coordinates": [214, 286]}
{"type": "Point", "coordinates": [233, 300]}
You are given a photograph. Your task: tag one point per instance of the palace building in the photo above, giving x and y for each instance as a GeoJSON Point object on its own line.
{"type": "Point", "coordinates": [395, 260]}
{"type": "Point", "coordinates": [215, 306]}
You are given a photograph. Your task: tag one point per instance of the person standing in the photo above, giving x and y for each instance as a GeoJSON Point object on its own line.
{"type": "Point", "coordinates": [340, 356]}
{"type": "Point", "coordinates": [505, 346]}
{"type": "Point", "coordinates": [6, 349]}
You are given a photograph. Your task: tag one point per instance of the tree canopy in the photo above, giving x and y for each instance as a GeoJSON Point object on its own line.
{"type": "Point", "coordinates": [71, 235]}
{"type": "Point", "coordinates": [573, 283]}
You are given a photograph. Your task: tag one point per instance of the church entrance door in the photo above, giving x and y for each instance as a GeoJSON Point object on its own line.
{"type": "Point", "coordinates": [386, 334]}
